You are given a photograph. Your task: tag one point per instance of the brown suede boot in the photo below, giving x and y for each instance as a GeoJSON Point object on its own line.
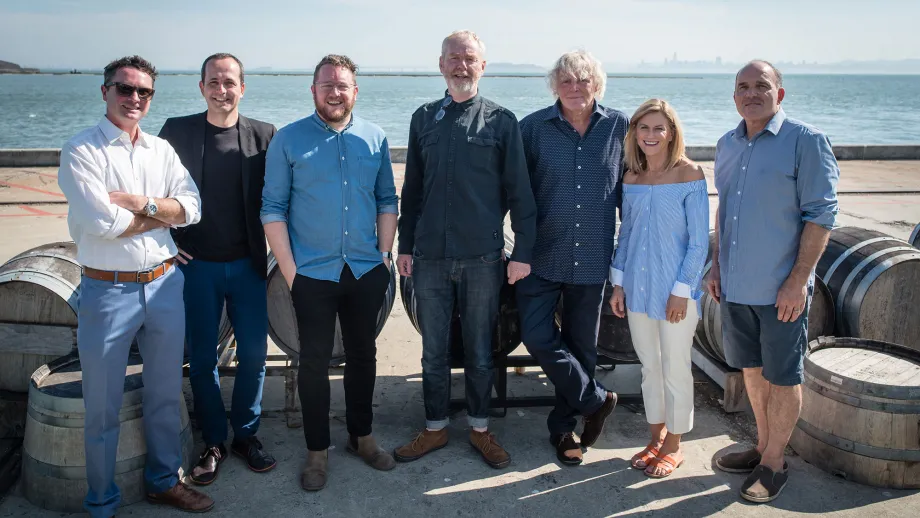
{"type": "Point", "coordinates": [313, 477]}
{"type": "Point", "coordinates": [182, 497]}
{"type": "Point", "coordinates": [375, 456]}
{"type": "Point", "coordinates": [423, 444]}
{"type": "Point", "coordinates": [492, 452]}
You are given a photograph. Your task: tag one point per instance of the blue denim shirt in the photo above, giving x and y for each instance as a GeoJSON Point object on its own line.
{"type": "Point", "coordinates": [769, 186]}
{"type": "Point", "coordinates": [663, 245]}
{"type": "Point", "coordinates": [576, 182]}
{"type": "Point", "coordinates": [329, 186]}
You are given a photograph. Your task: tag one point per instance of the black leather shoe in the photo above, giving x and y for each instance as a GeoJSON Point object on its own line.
{"type": "Point", "coordinates": [594, 423]}
{"type": "Point", "coordinates": [250, 449]}
{"type": "Point", "coordinates": [205, 471]}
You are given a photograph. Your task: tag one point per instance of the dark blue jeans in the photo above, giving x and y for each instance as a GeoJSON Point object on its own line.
{"type": "Point", "coordinates": [568, 357]}
{"type": "Point", "coordinates": [472, 286]}
{"type": "Point", "coordinates": [207, 286]}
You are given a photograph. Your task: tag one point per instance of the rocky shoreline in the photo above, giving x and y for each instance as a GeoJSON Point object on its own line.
{"type": "Point", "coordinates": [12, 68]}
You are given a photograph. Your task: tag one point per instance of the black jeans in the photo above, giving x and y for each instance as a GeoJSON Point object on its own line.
{"type": "Point", "coordinates": [356, 302]}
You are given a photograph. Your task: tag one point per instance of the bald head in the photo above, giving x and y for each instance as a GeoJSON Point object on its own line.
{"type": "Point", "coordinates": [763, 66]}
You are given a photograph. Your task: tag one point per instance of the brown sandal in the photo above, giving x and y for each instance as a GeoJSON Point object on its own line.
{"type": "Point", "coordinates": [667, 462]}
{"type": "Point", "coordinates": [649, 453]}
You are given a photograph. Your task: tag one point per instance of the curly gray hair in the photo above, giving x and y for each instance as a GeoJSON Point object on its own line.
{"type": "Point", "coordinates": [581, 65]}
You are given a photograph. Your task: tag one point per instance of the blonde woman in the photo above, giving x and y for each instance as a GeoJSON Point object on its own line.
{"type": "Point", "coordinates": [656, 272]}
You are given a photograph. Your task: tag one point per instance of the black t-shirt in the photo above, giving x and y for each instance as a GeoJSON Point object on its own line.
{"type": "Point", "coordinates": [221, 234]}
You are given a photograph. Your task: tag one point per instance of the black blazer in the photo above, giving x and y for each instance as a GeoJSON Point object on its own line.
{"type": "Point", "coordinates": [186, 135]}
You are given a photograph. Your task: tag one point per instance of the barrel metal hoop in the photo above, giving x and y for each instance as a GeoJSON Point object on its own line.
{"type": "Point", "coordinates": [914, 238]}
{"type": "Point", "coordinates": [848, 252]}
{"type": "Point", "coordinates": [856, 300]}
{"type": "Point", "coordinates": [857, 448]}
{"type": "Point", "coordinates": [41, 401]}
{"type": "Point", "coordinates": [42, 469]}
{"type": "Point", "coordinates": [40, 253]}
{"type": "Point", "coordinates": [841, 300]}
{"type": "Point", "coordinates": [897, 406]}
{"type": "Point", "coordinates": [57, 285]}
{"type": "Point", "coordinates": [823, 375]}
{"type": "Point", "coordinates": [77, 421]}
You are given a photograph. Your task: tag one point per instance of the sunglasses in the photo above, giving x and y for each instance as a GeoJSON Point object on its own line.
{"type": "Point", "coordinates": [444, 104]}
{"type": "Point", "coordinates": [127, 90]}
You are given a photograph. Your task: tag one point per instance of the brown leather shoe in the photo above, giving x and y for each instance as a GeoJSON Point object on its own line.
{"type": "Point", "coordinates": [492, 452]}
{"type": "Point", "coordinates": [375, 456]}
{"type": "Point", "coordinates": [184, 498]}
{"type": "Point", "coordinates": [424, 443]}
{"type": "Point", "coordinates": [594, 423]}
{"type": "Point", "coordinates": [313, 477]}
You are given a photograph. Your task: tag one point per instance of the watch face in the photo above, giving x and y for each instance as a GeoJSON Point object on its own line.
{"type": "Point", "coordinates": [151, 209]}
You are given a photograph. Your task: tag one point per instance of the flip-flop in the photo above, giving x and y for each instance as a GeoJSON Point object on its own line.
{"type": "Point", "coordinates": [667, 462]}
{"type": "Point", "coordinates": [772, 481]}
{"type": "Point", "coordinates": [650, 452]}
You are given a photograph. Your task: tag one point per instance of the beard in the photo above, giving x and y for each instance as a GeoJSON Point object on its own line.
{"type": "Point", "coordinates": [465, 85]}
{"type": "Point", "coordinates": [335, 114]}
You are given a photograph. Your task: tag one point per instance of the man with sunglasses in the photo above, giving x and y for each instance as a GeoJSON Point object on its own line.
{"type": "Point", "coordinates": [329, 209]}
{"type": "Point", "coordinates": [465, 168]}
{"type": "Point", "coordinates": [125, 190]}
{"type": "Point", "coordinates": [224, 260]}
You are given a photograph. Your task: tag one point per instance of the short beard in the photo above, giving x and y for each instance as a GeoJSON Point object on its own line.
{"type": "Point", "coordinates": [465, 86]}
{"type": "Point", "coordinates": [322, 110]}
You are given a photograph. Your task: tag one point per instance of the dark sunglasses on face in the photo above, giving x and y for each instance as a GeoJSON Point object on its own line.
{"type": "Point", "coordinates": [127, 90]}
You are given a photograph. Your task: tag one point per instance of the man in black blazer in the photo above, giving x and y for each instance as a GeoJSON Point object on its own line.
{"type": "Point", "coordinates": [224, 261]}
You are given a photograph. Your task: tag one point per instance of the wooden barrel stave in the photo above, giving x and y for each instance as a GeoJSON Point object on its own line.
{"type": "Point", "coordinates": [282, 321]}
{"type": "Point", "coordinates": [54, 459]}
{"type": "Point", "coordinates": [861, 411]}
{"type": "Point", "coordinates": [875, 281]}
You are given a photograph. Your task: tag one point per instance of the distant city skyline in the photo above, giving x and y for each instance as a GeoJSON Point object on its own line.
{"type": "Point", "coordinates": [627, 35]}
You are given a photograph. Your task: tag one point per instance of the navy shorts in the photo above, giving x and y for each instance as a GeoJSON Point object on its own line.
{"type": "Point", "coordinates": [752, 336]}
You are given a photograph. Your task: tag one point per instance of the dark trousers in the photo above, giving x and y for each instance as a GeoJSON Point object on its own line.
{"type": "Point", "coordinates": [356, 302]}
{"type": "Point", "coordinates": [568, 357]}
{"type": "Point", "coordinates": [472, 286]}
{"type": "Point", "coordinates": [208, 286]}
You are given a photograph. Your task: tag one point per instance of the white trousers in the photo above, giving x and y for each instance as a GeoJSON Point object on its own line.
{"type": "Point", "coordinates": [667, 380]}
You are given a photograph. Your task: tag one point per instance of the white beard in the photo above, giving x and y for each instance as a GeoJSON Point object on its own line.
{"type": "Point", "coordinates": [466, 85]}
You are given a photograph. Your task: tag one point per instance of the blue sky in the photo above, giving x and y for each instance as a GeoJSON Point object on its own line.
{"type": "Point", "coordinates": [290, 34]}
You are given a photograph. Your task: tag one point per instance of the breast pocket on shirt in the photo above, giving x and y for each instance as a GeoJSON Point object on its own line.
{"type": "Point", "coordinates": [483, 153]}
{"type": "Point", "coordinates": [428, 144]}
{"type": "Point", "coordinates": [368, 166]}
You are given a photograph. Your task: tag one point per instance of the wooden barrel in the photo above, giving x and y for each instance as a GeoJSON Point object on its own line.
{"type": "Point", "coordinates": [614, 340]}
{"type": "Point", "coordinates": [54, 459]}
{"type": "Point", "coordinates": [708, 334]}
{"type": "Point", "coordinates": [914, 238]}
{"type": "Point", "coordinates": [282, 322]}
{"type": "Point", "coordinates": [875, 281]}
{"type": "Point", "coordinates": [39, 296]}
{"type": "Point", "coordinates": [507, 333]}
{"type": "Point", "coordinates": [861, 412]}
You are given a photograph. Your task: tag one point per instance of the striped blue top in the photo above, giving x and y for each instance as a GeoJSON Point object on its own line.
{"type": "Point", "coordinates": [662, 246]}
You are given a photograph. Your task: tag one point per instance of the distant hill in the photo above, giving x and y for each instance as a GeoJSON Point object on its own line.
{"type": "Point", "coordinates": [12, 68]}
{"type": "Point", "coordinates": [514, 68]}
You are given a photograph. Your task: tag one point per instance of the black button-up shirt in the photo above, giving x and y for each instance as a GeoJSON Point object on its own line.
{"type": "Point", "coordinates": [463, 173]}
{"type": "Point", "coordinates": [577, 183]}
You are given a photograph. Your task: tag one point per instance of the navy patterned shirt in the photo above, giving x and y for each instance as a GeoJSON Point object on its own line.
{"type": "Point", "coordinates": [577, 185]}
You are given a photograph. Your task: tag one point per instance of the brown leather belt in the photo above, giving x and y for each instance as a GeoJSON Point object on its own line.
{"type": "Point", "coordinates": [142, 277]}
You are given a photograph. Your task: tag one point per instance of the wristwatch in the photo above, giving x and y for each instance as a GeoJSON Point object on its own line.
{"type": "Point", "coordinates": [151, 208]}
{"type": "Point", "coordinates": [387, 255]}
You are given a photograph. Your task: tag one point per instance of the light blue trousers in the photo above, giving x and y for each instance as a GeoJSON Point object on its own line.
{"type": "Point", "coordinates": [110, 317]}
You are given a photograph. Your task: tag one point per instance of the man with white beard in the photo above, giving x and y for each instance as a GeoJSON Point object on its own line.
{"type": "Point", "coordinates": [329, 212]}
{"type": "Point", "coordinates": [465, 168]}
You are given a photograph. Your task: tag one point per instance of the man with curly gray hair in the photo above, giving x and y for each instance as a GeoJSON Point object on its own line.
{"type": "Point", "coordinates": [574, 150]}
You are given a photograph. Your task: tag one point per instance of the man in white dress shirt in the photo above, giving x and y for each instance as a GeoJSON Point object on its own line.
{"type": "Point", "coordinates": [125, 189]}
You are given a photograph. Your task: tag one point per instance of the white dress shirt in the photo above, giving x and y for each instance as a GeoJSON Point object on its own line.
{"type": "Point", "coordinates": [102, 159]}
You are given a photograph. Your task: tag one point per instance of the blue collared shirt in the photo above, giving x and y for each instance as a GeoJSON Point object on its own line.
{"type": "Point", "coordinates": [576, 184]}
{"type": "Point", "coordinates": [329, 187]}
{"type": "Point", "coordinates": [663, 245]}
{"type": "Point", "coordinates": [769, 186]}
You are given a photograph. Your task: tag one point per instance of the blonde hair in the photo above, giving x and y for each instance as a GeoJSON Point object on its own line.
{"type": "Point", "coordinates": [463, 35]}
{"type": "Point", "coordinates": [636, 160]}
{"type": "Point", "coordinates": [581, 65]}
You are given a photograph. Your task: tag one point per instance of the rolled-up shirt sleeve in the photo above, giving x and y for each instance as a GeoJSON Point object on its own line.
{"type": "Point", "coordinates": [618, 261]}
{"type": "Point", "coordinates": [696, 207]}
{"type": "Point", "coordinates": [276, 194]}
{"type": "Point", "coordinates": [182, 188]}
{"type": "Point", "coordinates": [385, 188]}
{"type": "Point", "coordinates": [816, 179]}
{"type": "Point", "coordinates": [80, 178]}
